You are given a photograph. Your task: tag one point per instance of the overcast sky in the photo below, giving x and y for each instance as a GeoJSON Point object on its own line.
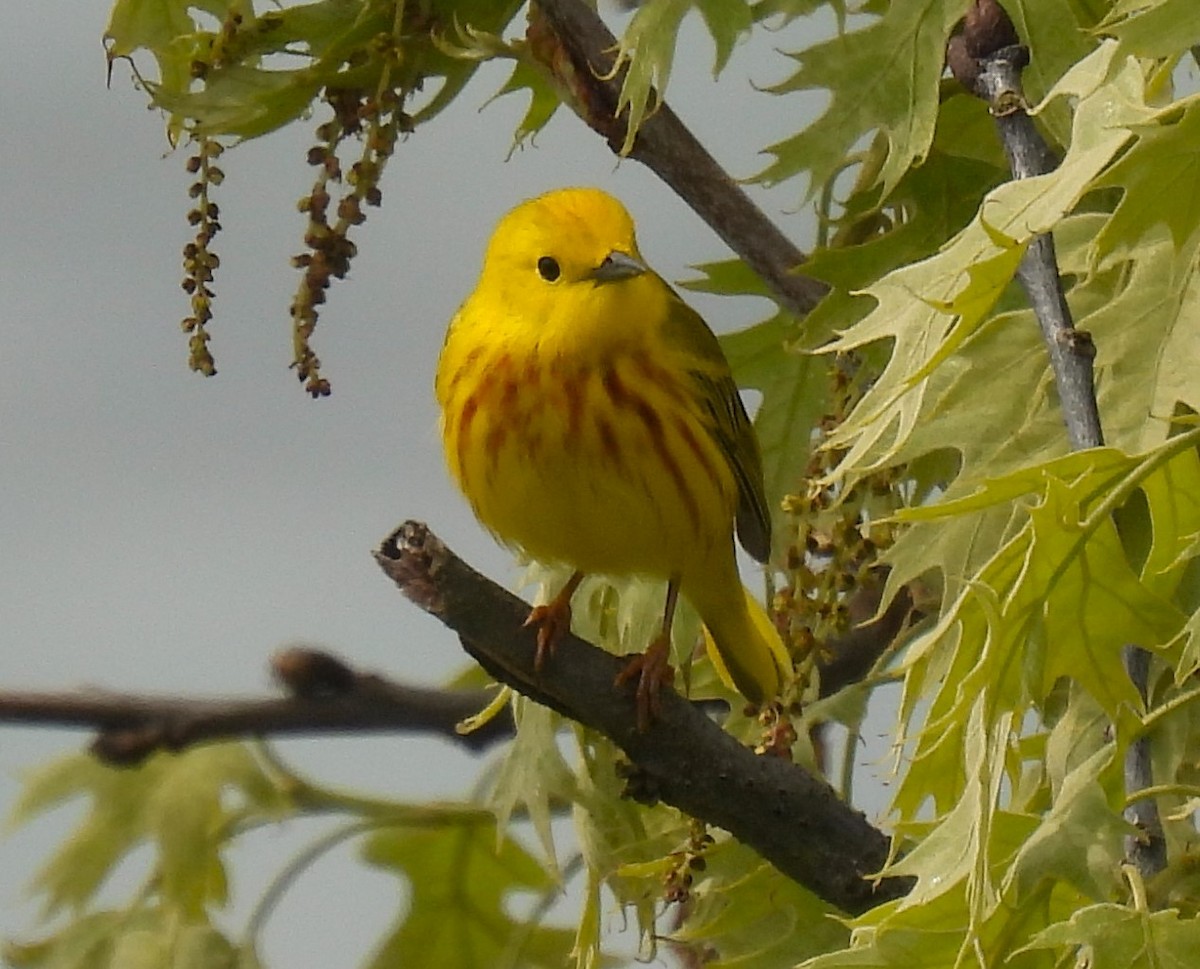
{"type": "Point", "coordinates": [167, 533]}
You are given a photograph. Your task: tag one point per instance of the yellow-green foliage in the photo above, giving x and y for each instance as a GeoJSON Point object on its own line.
{"type": "Point", "coordinates": [1036, 565]}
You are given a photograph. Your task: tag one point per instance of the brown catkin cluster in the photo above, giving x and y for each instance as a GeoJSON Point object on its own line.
{"type": "Point", "coordinates": [223, 46]}
{"type": "Point", "coordinates": [199, 261]}
{"type": "Point", "coordinates": [377, 121]}
{"type": "Point", "coordinates": [778, 734]}
{"type": "Point", "coordinates": [686, 863]}
{"type": "Point", "coordinates": [837, 534]}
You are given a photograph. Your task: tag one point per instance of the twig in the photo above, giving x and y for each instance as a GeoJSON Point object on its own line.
{"type": "Point", "coordinates": [850, 657]}
{"type": "Point", "coordinates": [132, 726]}
{"type": "Point", "coordinates": [574, 45]}
{"type": "Point", "coordinates": [987, 59]}
{"type": "Point", "coordinates": [1147, 849]}
{"type": "Point", "coordinates": [791, 818]}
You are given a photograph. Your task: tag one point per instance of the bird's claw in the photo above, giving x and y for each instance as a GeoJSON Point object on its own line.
{"type": "Point", "coordinates": [653, 671]}
{"type": "Point", "coordinates": [553, 621]}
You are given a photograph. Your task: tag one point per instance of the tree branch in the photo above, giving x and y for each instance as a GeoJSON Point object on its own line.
{"type": "Point", "coordinates": [987, 58]}
{"type": "Point", "coordinates": [571, 41]}
{"type": "Point", "coordinates": [132, 726]}
{"type": "Point", "coordinates": [849, 657]}
{"type": "Point", "coordinates": [791, 818]}
{"type": "Point", "coordinates": [988, 61]}
{"type": "Point", "coordinates": [1148, 848]}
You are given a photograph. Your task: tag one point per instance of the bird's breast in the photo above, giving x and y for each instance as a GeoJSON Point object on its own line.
{"type": "Point", "coordinates": [606, 466]}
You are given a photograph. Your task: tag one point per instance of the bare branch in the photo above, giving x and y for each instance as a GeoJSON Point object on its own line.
{"type": "Point", "coordinates": [574, 45]}
{"type": "Point", "coordinates": [848, 658]}
{"type": "Point", "coordinates": [132, 726]}
{"type": "Point", "coordinates": [793, 819]}
{"type": "Point", "coordinates": [1147, 849]}
{"type": "Point", "coordinates": [986, 58]}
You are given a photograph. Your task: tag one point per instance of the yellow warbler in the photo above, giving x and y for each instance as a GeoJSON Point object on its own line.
{"type": "Point", "coordinates": [590, 418]}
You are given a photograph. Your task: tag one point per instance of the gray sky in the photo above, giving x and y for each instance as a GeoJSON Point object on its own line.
{"type": "Point", "coordinates": [167, 533]}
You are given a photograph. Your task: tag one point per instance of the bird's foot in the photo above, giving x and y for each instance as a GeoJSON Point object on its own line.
{"type": "Point", "coordinates": [653, 671]}
{"type": "Point", "coordinates": [553, 621]}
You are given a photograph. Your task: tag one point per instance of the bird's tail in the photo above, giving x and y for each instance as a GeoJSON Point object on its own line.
{"type": "Point", "coordinates": [744, 646]}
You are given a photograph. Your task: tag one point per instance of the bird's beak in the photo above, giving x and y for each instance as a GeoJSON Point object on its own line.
{"type": "Point", "coordinates": [617, 265]}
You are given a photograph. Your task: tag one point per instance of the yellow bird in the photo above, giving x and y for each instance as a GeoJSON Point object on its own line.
{"type": "Point", "coordinates": [590, 418]}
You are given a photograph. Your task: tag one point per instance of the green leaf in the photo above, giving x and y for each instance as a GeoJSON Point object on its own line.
{"type": "Point", "coordinates": [647, 49]}
{"type": "Point", "coordinates": [141, 938]}
{"type": "Point", "coordinates": [889, 937]}
{"type": "Point", "coordinates": [133, 24]}
{"type": "Point", "coordinates": [969, 842]}
{"type": "Point", "coordinates": [936, 935]}
{"type": "Point", "coordinates": [729, 277]}
{"type": "Point", "coordinates": [884, 78]}
{"type": "Point", "coordinates": [179, 803]}
{"type": "Point", "coordinates": [754, 917]}
{"type": "Point", "coordinates": [1189, 640]}
{"type": "Point", "coordinates": [1146, 326]}
{"type": "Point", "coordinates": [1116, 937]}
{"type": "Point", "coordinates": [624, 844]}
{"type": "Point", "coordinates": [1079, 841]}
{"type": "Point", "coordinates": [464, 884]}
{"type": "Point", "coordinates": [728, 21]}
{"type": "Point", "coordinates": [936, 199]}
{"type": "Point", "coordinates": [168, 31]}
{"type": "Point", "coordinates": [1055, 31]}
{"type": "Point", "coordinates": [795, 386]}
{"type": "Point", "coordinates": [1158, 175]}
{"type": "Point", "coordinates": [543, 100]}
{"type": "Point", "coordinates": [218, 85]}
{"type": "Point", "coordinates": [202, 947]}
{"type": "Point", "coordinates": [84, 943]}
{"type": "Point", "coordinates": [1153, 28]}
{"type": "Point", "coordinates": [533, 774]}
{"type": "Point", "coordinates": [1173, 501]}
{"type": "Point", "coordinates": [1058, 599]}
{"type": "Point", "coordinates": [930, 308]}
{"type": "Point", "coordinates": [979, 515]}
{"type": "Point", "coordinates": [244, 102]}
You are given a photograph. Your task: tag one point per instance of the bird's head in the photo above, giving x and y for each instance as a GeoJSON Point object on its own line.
{"type": "Point", "coordinates": [566, 264]}
{"type": "Point", "coordinates": [567, 238]}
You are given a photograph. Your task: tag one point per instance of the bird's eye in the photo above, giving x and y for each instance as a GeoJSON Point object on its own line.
{"type": "Point", "coordinates": [547, 268]}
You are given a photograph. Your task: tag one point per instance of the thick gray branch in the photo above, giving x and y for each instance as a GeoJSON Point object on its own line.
{"type": "Point", "coordinates": [792, 819]}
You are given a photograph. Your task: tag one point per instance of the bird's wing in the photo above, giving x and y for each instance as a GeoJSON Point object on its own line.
{"type": "Point", "coordinates": [726, 420]}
